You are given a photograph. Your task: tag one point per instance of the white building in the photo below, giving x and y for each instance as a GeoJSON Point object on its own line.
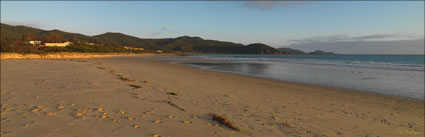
{"type": "Point", "coordinates": [133, 48]}
{"type": "Point", "coordinates": [58, 44]}
{"type": "Point", "coordinates": [34, 43]}
{"type": "Point", "coordinates": [89, 43]}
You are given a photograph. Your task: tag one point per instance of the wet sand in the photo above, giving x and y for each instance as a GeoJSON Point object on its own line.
{"type": "Point", "coordinates": [144, 96]}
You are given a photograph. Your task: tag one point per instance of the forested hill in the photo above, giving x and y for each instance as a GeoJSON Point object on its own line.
{"type": "Point", "coordinates": [11, 36]}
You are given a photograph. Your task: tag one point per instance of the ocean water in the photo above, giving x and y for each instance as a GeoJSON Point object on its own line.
{"type": "Point", "coordinates": [400, 75]}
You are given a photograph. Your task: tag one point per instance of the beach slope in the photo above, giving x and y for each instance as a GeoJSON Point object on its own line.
{"type": "Point", "coordinates": [146, 96]}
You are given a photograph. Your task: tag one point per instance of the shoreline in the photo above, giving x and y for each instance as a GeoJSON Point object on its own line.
{"type": "Point", "coordinates": [366, 92]}
{"type": "Point", "coordinates": [403, 82]}
{"type": "Point", "coordinates": [312, 84]}
{"type": "Point", "coordinates": [176, 100]}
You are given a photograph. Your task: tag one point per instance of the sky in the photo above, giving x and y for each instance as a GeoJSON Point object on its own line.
{"type": "Point", "coordinates": [307, 25]}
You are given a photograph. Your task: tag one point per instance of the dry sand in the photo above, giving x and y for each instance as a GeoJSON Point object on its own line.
{"type": "Point", "coordinates": [63, 55]}
{"type": "Point", "coordinates": [141, 96]}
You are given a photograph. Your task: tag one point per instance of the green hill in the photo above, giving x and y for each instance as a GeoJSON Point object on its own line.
{"type": "Point", "coordinates": [17, 32]}
{"type": "Point", "coordinates": [290, 51]}
{"type": "Point", "coordinates": [11, 35]}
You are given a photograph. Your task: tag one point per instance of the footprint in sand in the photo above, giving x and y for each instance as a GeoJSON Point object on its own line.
{"type": "Point", "coordinates": [112, 71]}
{"type": "Point", "coordinates": [37, 109]}
{"type": "Point", "coordinates": [172, 93]}
{"type": "Point", "coordinates": [60, 106]}
{"type": "Point", "coordinates": [134, 95]}
{"type": "Point", "coordinates": [121, 111]}
{"type": "Point", "coordinates": [125, 79]}
{"type": "Point", "coordinates": [51, 114]}
{"type": "Point", "coordinates": [157, 121]}
{"type": "Point", "coordinates": [103, 116]}
{"type": "Point", "coordinates": [129, 118]}
{"type": "Point", "coordinates": [97, 63]}
{"type": "Point", "coordinates": [187, 121]}
{"type": "Point", "coordinates": [135, 86]}
{"type": "Point", "coordinates": [149, 113]}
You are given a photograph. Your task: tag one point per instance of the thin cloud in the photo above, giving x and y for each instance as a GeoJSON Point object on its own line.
{"type": "Point", "coordinates": [386, 37]}
{"type": "Point", "coordinates": [163, 31]}
{"type": "Point", "coordinates": [159, 32]}
{"type": "Point", "coordinates": [339, 38]}
{"type": "Point", "coordinates": [369, 44]}
{"type": "Point", "coordinates": [268, 5]}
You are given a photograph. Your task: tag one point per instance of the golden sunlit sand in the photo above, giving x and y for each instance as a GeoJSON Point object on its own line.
{"type": "Point", "coordinates": [153, 98]}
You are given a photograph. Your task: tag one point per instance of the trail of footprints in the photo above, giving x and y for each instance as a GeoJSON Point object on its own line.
{"type": "Point", "coordinates": [80, 112]}
{"type": "Point", "coordinates": [134, 94]}
{"type": "Point", "coordinates": [101, 113]}
{"type": "Point", "coordinates": [135, 87]}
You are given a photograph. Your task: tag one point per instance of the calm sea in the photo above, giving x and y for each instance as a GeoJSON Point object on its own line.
{"type": "Point", "coordinates": [401, 75]}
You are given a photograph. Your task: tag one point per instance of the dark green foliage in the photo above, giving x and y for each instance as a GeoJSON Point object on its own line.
{"type": "Point", "coordinates": [95, 48]}
{"type": "Point", "coordinates": [17, 32]}
{"type": "Point", "coordinates": [18, 46]}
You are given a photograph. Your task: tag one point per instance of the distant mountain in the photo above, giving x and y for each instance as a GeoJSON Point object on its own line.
{"type": "Point", "coordinates": [259, 48]}
{"type": "Point", "coordinates": [120, 39]}
{"type": "Point", "coordinates": [320, 52]}
{"type": "Point", "coordinates": [290, 51]}
{"type": "Point", "coordinates": [185, 43]}
{"type": "Point", "coordinates": [296, 51]}
{"type": "Point", "coordinates": [17, 32]}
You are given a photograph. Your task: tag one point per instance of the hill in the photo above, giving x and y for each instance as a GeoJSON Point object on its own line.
{"type": "Point", "coordinates": [290, 51]}
{"type": "Point", "coordinates": [296, 51]}
{"type": "Point", "coordinates": [320, 52]}
{"type": "Point", "coordinates": [11, 35]}
{"type": "Point", "coordinates": [29, 33]}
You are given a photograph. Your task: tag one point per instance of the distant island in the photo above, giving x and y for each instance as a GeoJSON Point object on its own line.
{"type": "Point", "coordinates": [320, 52]}
{"type": "Point", "coordinates": [296, 51]}
{"type": "Point", "coordinates": [23, 39]}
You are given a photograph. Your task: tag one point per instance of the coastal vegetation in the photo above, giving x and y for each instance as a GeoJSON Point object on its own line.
{"type": "Point", "coordinates": [15, 38]}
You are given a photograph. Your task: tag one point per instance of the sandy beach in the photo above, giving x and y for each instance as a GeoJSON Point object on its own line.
{"type": "Point", "coordinates": [147, 96]}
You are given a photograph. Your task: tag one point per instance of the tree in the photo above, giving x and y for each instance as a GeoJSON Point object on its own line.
{"type": "Point", "coordinates": [27, 37]}
{"type": "Point", "coordinates": [52, 37]}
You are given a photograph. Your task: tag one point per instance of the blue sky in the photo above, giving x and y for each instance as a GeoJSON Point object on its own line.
{"type": "Point", "coordinates": [274, 23]}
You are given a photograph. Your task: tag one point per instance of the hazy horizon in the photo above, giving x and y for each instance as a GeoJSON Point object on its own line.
{"type": "Point", "coordinates": [344, 27]}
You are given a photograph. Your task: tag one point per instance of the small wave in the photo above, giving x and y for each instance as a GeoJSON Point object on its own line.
{"type": "Point", "coordinates": [334, 60]}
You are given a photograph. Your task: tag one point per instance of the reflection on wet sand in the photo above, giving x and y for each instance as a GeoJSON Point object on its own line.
{"type": "Point", "coordinates": [251, 68]}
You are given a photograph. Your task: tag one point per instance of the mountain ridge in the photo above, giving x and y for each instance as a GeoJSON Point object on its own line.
{"type": "Point", "coordinates": [116, 39]}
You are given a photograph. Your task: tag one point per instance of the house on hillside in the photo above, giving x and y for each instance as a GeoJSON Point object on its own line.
{"type": "Point", "coordinates": [58, 44]}
{"type": "Point", "coordinates": [89, 43]}
{"type": "Point", "coordinates": [134, 48]}
{"type": "Point", "coordinates": [34, 42]}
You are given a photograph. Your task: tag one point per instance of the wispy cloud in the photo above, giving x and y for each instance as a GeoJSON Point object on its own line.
{"type": "Point", "coordinates": [368, 44]}
{"type": "Point", "coordinates": [159, 32]}
{"type": "Point", "coordinates": [342, 38]}
{"type": "Point", "coordinates": [268, 5]}
{"type": "Point", "coordinates": [163, 31]}
{"type": "Point", "coordinates": [386, 37]}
